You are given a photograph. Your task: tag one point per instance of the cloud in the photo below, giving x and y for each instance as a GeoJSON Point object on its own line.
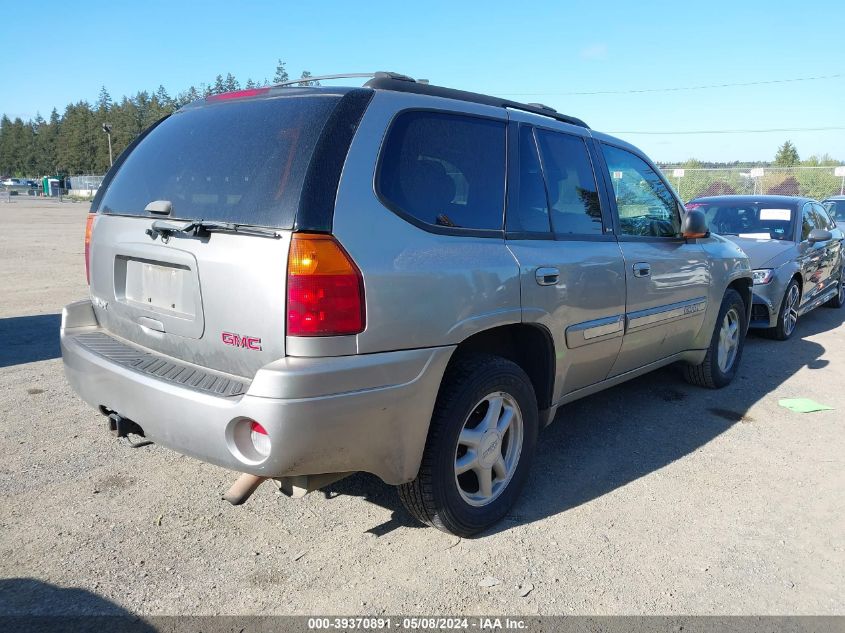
{"type": "Point", "coordinates": [594, 51]}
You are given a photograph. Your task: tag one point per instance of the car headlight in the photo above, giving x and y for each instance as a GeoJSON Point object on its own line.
{"type": "Point", "coordinates": [762, 276]}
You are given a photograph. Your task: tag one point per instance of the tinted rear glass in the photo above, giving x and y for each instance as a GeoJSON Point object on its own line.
{"type": "Point", "coordinates": [241, 162]}
{"type": "Point", "coordinates": [573, 193]}
{"type": "Point", "coordinates": [445, 169]}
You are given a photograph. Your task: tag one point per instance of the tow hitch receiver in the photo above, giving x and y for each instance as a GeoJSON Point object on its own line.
{"type": "Point", "coordinates": [121, 427]}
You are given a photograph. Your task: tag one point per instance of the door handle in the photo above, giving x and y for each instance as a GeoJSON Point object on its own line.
{"type": "Point", "coordinates": [152, 324]}
{"type": "Point", "coordinates": [642, 269]}
{"type": "Point", "coordinates": [547, 275]}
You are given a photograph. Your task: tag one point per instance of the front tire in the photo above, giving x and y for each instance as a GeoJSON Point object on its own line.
{"type": "Point", "coordinates": [788, 315]}
{"type": "Point", "coordinates": [725, 351]}
{"type": "Point", "coordinates": [479, 449]}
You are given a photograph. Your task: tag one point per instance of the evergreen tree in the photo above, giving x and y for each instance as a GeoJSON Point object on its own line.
{"type": "Point", "coordinates": [787, 155]}
{"type": "Point", "coordinates": [163, 98]}
{"type": "Point", "coordinates": [104, 101]}
{"type": "Point", "coordinates": [305, 75]}
{"type": "Point", "coordinates": [7, 156]}
{"type": "Point", "coordinates": [281, 73]}
{"type": "Point", "coordinates": [219, 85]}
{"type": "Point", "coordinates": [231, 84]}
{"type": "Point", "coordinates": [250, 84]}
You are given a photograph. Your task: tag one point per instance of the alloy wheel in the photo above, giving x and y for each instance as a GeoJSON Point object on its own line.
{"type": "Point", "coordinates": [728, 340]}
{"type": "Point", "coordinates": [488, 450]}
{"type": "Point", "coordinates": [790, 313]}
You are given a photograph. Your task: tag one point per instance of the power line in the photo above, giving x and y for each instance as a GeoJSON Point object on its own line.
{"type": "Point", "coordinates": [673, 89]}
{"type": "Point", "coordinates": [774, 129]}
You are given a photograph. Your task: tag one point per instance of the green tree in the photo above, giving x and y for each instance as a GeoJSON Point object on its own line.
{"type": "Point", "coordinates": [230, 83]}
{"type": "Point", "coordinates": [163, 98]}
{"type": "Point", "coordinates": [787, 155]}
{"type": "Point", "coordinates": [77, 143]}
{"type": "Point", "coordinates": [281, 73]}
{"type": "Point", "coordinates": [219, 85]}
{"type": "Point", "coordinates": [305, 75]}
{"type": "Point", "coordinates": [104, 101]}
{"type": "Point", "coordinates": [185, 97]}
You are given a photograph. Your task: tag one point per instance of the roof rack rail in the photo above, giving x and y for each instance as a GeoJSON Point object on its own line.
{"type": "Point", "coordinates": [542, 106]}
{"type": "Point", "coordinates": [403, 83]}
{"type": "Point", "coordinates": [302, 80]}
{"type": "Point", "coordinates": [389, 81]}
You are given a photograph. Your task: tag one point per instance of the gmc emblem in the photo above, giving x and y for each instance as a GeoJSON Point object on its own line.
{"type": "Point", "coordinates": [236, 340]}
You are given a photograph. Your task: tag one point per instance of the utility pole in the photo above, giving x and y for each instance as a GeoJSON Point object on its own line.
{"type": "Point", "coordinates": [107, 130]}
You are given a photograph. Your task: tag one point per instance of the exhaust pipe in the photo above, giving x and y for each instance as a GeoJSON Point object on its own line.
{"type": "Point", "coordinates": [243, 488]}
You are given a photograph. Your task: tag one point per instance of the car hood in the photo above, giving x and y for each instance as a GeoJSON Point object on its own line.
{"type": "Point", "coordinates": [764, 253]}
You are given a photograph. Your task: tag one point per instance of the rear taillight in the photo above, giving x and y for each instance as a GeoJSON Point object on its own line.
{"type": "Point", "coordinates": [325, 288]}
{"type": "Point", "coordinates": [89, 228]}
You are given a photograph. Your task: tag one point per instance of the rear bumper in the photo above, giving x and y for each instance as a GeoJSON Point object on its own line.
{"type": "Point", "coordinates": [323, 415]}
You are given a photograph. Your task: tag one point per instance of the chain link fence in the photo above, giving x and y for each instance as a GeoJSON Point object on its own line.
{"type": "Point", "coordinates": [813, 182]}
{"type": "Point", "coordinates": [85, 186]}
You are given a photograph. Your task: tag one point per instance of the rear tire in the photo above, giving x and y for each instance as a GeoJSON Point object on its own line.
{"type": "Point", "coordinates": [788, 314]}
{"type": "Point", "coordinates": [725, 351]}
{"type": "Point", "coordinates": [479, 449]}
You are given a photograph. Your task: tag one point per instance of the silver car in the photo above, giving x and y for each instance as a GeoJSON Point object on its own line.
{"type": "Point", "coordinates": [402, 279]}
{"type": "Point", "coordinates": [795, 249]}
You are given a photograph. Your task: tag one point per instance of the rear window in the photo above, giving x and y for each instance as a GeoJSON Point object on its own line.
{"type": "Point", "coordinates": [445, 170]}
{"type": "Point", "coordinates": [240, 161]}
{"type": "Point", "coordinates": [753, 220]}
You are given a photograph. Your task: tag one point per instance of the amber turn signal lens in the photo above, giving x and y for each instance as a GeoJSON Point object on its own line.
{"type": "Point", "coordinates": [325, 290]}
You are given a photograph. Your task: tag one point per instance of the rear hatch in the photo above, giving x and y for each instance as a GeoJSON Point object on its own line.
{"type": "Point", "coordinates": [213, 298]}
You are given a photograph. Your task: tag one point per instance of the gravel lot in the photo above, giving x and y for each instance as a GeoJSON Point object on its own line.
{"type": "Point", "coordinates": [654, 497]}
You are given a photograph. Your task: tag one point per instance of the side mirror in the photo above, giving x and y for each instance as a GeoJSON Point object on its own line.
{"type": "Point", "coordinates": [819, 235]}
{"type": "Point", "coordinates": [695, 225]}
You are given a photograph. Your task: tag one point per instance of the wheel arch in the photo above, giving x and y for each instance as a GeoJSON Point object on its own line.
{"type": "Point", "coordinates": [528, 345]}
{"type": "Point", "coordinates": [744, 286]}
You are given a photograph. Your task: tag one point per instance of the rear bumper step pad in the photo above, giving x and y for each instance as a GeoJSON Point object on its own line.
{"type": "Point", "coordinates": [161, 367]}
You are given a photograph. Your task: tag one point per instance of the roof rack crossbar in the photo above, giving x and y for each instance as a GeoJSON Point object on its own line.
{"type": "Point", "coordinates": [377, 74]}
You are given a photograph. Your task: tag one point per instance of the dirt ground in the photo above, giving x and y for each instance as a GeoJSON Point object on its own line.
{"type": "Point", "coordinates": [654, 497]}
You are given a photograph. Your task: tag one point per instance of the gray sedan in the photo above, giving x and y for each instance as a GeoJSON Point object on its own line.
{"type": "Point", "coordinates": [795, 249]}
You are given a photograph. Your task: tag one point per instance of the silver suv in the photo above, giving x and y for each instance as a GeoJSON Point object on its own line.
{"type": "Point", "coordinates": [402, 279]}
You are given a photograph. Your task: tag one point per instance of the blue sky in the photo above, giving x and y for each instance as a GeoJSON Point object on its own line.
{"type": "Point", "coordinates": [528, 51]}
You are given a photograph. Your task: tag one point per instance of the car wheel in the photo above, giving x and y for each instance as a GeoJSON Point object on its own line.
{"type": "Point", "coordinates": [788, 315]}
{"type": "Point", "coordinates": [479, 449]}
{"type": "Point", "coordinates": [725, 351]}
{"type": "Point", "coordinates": [839, 300]}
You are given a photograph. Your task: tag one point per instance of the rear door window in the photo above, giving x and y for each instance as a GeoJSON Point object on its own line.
{"type": "Point", "coordinates": [239, 161]}
{"type": "Point", "coordinates": [571, 184]}
{"type": "Point", "coordinates": [445, 170]}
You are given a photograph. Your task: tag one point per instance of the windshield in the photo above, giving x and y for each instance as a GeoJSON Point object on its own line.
{"type": "Point", "coordinates": [753, 220]}
{"type": "Point", "coordinates": [241, 161]}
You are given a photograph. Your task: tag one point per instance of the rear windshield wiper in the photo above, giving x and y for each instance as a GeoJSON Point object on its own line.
{"type": "Point", "coordinates": [202, 228]}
